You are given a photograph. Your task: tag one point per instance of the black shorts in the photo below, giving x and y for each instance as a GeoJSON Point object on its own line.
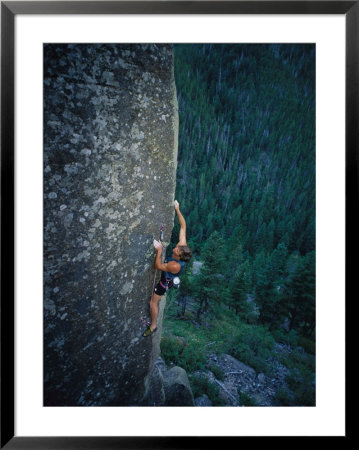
{"type": "Point", "coordinates": [160, 288]}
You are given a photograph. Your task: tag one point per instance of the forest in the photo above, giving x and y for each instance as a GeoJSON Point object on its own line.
{"type": "Point", "coordinates": [246, 187]}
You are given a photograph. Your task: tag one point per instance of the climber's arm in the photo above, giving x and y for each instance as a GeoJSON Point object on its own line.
{"type": "Point", "coordinates": [171, 266]}
{"type": "Point", "coordinates": [182, 222]}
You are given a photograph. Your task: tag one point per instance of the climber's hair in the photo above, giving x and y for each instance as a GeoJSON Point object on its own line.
{"type": "Point", "coordinates": [186, 253]}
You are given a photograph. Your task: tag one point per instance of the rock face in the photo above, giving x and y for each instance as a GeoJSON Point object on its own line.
{"type": "Point", "coordinates": [110, 155]}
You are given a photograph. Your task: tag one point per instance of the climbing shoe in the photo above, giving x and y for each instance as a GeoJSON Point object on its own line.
{"type": "Point", "coordinates": [149, 331]}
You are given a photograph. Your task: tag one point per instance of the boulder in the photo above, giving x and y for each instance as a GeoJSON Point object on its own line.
{"type": "Point", "coordinates": [167, 387]}
{"type": "Point", "coordinates": [177, 388]}
{"type": "Point", "coordinates": [161, 365]}
{"type": "Point", "coordinates": [203, 401]}
{"type": "Point", "coordinates": [261, 378]}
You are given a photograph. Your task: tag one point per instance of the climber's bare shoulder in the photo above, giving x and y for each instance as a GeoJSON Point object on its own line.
{"type": "Point", "coordinates": [171, 266]}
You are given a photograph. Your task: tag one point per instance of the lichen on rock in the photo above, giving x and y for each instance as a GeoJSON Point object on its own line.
{"type": "Point", "coordinates": [110, 156]}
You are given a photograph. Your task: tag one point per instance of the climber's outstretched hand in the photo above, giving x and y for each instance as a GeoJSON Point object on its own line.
{"type": "Point", "coordinates": [176, 205]}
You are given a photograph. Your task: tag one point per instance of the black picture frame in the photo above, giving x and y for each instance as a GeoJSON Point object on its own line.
{"type": "Point", "coordinates": [9, 9]}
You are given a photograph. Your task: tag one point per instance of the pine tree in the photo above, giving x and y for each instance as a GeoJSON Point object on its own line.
{"type": "Point", "coordinates": [267, 294]}
{"type": "Point", "coordinates": [211, 275]}
{"type": "Point", "coordinates": [239, 289]}
{"type": "Point", "coordinates": [300, 294]}
{"type": "Point", "coordinates": [278, 261]}
{"type": "Point", "coordinates": [186, 286]}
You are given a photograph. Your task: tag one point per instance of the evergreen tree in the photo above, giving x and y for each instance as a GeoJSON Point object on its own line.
{"type": "Point", "coordinates": [268, 295]}
{"type": "Point", "coordinates": [186, 287]}
{"type": "Point", "coordinates": [279, 261]}
{"type": "Point", "coordinates": [211, 275]}
{"type": "Point", "coordinates": [300, 295]}
{"type": "Point", "coordinates": [239, 289]}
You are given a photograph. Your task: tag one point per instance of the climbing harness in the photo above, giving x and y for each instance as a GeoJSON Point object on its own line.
{"type": "Point", "coordinates": [172, 280]}
{"type": "Point", "coordinates": [176, 282]}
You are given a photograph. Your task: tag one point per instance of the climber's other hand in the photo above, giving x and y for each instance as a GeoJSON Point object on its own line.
{"type": "Point", "coordinates": [176, 204]}
{"type": "Point", "coordinates": [157, 245]}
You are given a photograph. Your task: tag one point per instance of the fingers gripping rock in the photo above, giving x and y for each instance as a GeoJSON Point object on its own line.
{"type": "Point", "coordinates": [157, 244]}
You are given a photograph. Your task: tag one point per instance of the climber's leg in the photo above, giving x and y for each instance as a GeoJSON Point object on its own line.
{"type": "Point", "coordinates": [159, 290]}
{"type": "Point", "coordinates": [155, 299]}
{"type": "Point", "coordinates": [154, 309]}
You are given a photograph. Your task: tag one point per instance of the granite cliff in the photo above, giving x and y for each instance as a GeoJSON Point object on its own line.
{"type": "Point", "coordinates": [110, 155]}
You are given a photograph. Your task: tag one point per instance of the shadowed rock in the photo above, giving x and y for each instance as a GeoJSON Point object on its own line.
{"type": "Point", "coordinates": [203, 400]}
{"type": "Point", "coordinates": [177, 388]}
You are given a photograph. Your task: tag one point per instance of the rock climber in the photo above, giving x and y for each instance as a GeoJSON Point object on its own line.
{"type": "Point", "coordinates": [172, 268]}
